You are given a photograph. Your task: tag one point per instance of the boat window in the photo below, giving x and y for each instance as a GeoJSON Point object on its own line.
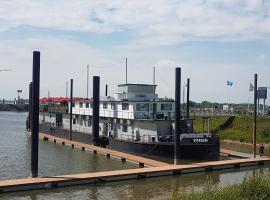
{"type": "Point", "coordinates": [125, 106]}
{"type": "Point", "coordinates": [87, 104]}
{"type": "Point", "coordinates": [73, 104]}
{"type": "Point", "coordinates": [124, 128]}
{"type": "Point", "coordinates": [81, 122]}
{"type": "Point", "coordinates": [89, 123]}
{"type": "Point", "coordinates": [81, 104]}
{"type": "Point", "coordinates": [105, 105]}
{"type": "Point", "coordinates": [91, 105]}
{"type": "Point", "coordinates": [113, 106]}
{"type": "Point", "coordinates": [142, 107]}
{"type": "Point", "coordinates": [166, 106]}
{"type": "Point", "coordinates": [141, 95]}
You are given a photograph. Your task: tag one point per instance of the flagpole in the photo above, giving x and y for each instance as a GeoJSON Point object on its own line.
{"type": "Point", "coordinates": [228, 95]}
{"type": "Point", "coordinates": [248, 100]}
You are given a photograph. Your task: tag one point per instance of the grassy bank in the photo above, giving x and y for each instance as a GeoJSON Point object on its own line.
{"type": "Point", "coordinates": [237, 128]}
{"type": "Point", "coordinates": [251, 188]}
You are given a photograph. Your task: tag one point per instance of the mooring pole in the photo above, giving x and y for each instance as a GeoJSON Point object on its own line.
{"type": "Point", "coordinates": [188, 88]}
{"type": "Point", "coordinates": [255, 115]}
{"type": "Point", "coordinates": [95, 127]}
{"type": "Point", "coordinates": [106, 90]}
{"type": "Point", "coordinates": [70, 109]}
{"type": "Point", "coordinates": [35, 114]}
{"type": "Point", "coordinates": [177, 115]}
{"type": "Point", "coordinates": [30, 107]}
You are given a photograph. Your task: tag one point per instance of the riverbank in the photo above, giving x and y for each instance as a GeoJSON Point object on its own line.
{"type": "Point", "coordinates": [236, 128]}
{"type": "Point", "coordinates": [251, 188]}
{"type": "Point", "coordinates": [14, 107]}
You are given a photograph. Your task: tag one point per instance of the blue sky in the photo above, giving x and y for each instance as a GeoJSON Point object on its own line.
{"type": "Point", "coordinates": [212, 40]}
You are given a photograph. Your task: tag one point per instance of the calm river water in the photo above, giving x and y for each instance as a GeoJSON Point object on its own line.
{"type": "Point", "coordinates": [56, 159]}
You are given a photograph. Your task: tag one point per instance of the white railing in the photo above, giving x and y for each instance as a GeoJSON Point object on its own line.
{"type": "Point", "coordinates": [123, 114]}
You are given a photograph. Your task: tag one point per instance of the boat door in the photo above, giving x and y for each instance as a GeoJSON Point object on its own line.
{"type": "Point", "coordinates": [59, 119]}
{"type": "Point", "coordinates": [154, 110]}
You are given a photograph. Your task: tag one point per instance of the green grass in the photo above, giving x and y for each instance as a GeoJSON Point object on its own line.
{"type": "Point", "coordinates": [257, 188]}
{"type": "Point", "coordinates": [240, 129]}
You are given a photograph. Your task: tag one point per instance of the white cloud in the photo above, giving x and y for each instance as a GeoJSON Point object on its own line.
{"type": "Point", "coordinates": [149, 23]}
{"type": "Point", "coordinates": [152, 22]}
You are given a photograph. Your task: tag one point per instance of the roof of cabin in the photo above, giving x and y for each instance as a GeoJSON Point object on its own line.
{"type": "Point", "coordinates": [63, 99]}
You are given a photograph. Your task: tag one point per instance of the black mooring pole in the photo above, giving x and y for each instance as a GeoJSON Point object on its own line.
{"type": "Point", "coordinates": [30, 107]}
{"type": "Point", "coordinates": [106, 90]}
{"type": "Point", "coordinates": [70, 109]}
{"type": "Point", "coordinates": [35, 114]}
{"type": "Point", "coordinates": [255, 115]}
{"type": "Point", "coordinates": [177, 115]}
{"type": "Point", "coordinates": [188, 88]}
{"type": "Point", "coordinates": [95, 127]}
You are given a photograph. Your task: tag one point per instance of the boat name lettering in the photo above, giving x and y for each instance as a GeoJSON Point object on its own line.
{"type": "Point", "coordinates": [198, 140]}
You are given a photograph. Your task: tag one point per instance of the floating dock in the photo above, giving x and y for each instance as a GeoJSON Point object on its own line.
{"type": "Point", "coordinates": [235, 154]}
{"type": "Point", "coordinates": [98, 177]}
{"type": "Point", "coordinates": [142, 161]}
{"type": "Point", "coordinates": [155, 169]}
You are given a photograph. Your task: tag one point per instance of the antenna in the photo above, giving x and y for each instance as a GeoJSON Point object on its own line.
{"type": "Point", "coordinates": [87, 81]}
{"type": "Point", "coordinates": [126, 70]}
{"type": "Point", "coordinates": [154, 82]}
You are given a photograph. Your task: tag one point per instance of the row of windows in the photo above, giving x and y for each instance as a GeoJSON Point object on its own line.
{"type": "Point", "coordinates": [125, 106]}
{"type": "Point", "coordinates": [148, 107]}
{"type": "Point", "coordinates": [82, 122]}
{"type": "Point", "coordinates": [88, 123]}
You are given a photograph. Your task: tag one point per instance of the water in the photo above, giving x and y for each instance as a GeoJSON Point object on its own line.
{"type": "Point", "coordinates": [56, 159]}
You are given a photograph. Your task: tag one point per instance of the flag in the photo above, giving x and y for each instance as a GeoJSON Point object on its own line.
{"type": "Point", "coordinates": [229, 83]}
{"type": "Point", "coordinates": [251, 87]}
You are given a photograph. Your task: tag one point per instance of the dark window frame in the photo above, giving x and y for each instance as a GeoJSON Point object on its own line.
{"type": "Point", "coordinates": [125, 106]}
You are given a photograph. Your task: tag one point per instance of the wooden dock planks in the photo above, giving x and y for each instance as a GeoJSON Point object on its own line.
{"type": "Point", "coordinates": [108, 152]}
{"type": "Point", "coordinates": [235, 154]}
{"type": "Point", "coordinates": [88, 178]}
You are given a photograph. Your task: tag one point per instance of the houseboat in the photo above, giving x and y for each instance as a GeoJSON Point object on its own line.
{"type": "Point", "coordinates": [133, 120]}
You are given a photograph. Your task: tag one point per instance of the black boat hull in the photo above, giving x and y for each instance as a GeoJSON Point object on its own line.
{"type": "Point", "coordinates": [188, 151]}
{"type": "Point", "coordinates": [166, 149]}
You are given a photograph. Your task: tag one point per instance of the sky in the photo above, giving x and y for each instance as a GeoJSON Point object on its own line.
{"type": "Point", "coordinates": [211, 40]}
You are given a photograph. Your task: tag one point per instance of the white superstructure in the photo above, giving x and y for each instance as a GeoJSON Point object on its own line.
{"type": "Point", "coordinates": [133, 113]}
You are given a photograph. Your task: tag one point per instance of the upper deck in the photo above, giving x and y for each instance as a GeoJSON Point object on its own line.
{"type": "Point", "coordinates": [128, 109]}
{"type": "Point", "coordinates": [132, 101]}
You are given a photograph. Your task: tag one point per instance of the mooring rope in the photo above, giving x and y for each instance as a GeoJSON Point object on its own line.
{"type": "Point", "coordinates": [151, 149]}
